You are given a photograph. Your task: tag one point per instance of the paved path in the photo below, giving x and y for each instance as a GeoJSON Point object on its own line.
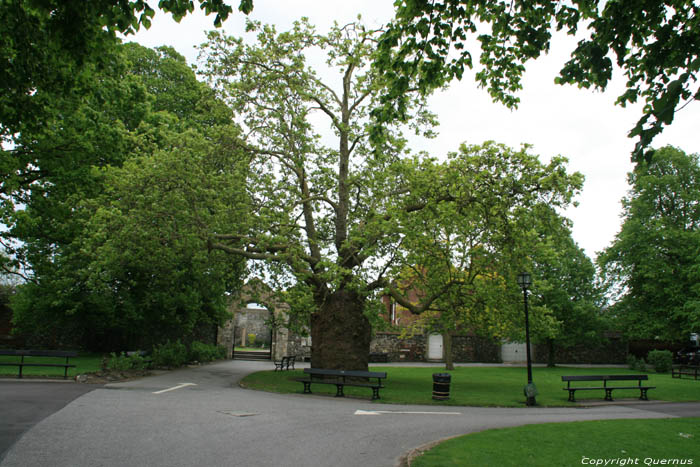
{"type": "Point", "coordinates": [25, 402]}
{"type": "Point", "coordinates": [200, 417]}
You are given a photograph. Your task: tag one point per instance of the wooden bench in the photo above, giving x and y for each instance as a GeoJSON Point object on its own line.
{"type": "Point", "coordinates": [341, 378]}
{"type": "Point", "coordinates": [690, 370]}
{"type": "Point", "coordinates": [67, 354]}
{"type": "Point", "coordinates": [608, 389]}
{"type": "Point", "coordinates": [285, 363]}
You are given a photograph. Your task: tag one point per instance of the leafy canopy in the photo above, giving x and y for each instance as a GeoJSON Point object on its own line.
{"type": "Point", "coordinates": [654, 260]}
{"type": "Point", "coordinates": [654, 42]}
{"type": "Point", "coordinates": [123, 185]}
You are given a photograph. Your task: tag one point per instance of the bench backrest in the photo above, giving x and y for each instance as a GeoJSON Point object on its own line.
{"type": "Point", "coordinates": [605, 378]}
{"type": "Point", "coordinates": [350, 373]}
{"type": "Point", "coordinates": [40, 353]}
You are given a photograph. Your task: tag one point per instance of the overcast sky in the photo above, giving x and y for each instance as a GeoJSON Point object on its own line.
{"type": "Point", "coordinates": [583, 125]}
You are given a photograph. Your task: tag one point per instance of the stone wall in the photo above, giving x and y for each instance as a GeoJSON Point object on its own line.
{"type": "Point", "coordinates": [475, 349]}
{"type": "Point", "coordinates": [415, 349]}
{"type": "Point", "coordinates": [252, 321]}
{"type": "Point", "coordinates": [224, 337]}
{"type": "Point", "coordinates": [409, 349]}
{"type": "Point", "coordinates": [298, 346]}
{"type": "Point", "coordinates": [612, 350]}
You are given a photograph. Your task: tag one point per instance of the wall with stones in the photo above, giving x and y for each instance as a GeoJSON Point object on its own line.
{"type": "Point", "coordinates": [475, 349]}
{"type": "Point", "coordinates": [252, 321]}
{"type": "Point", "coordinates": [298, 346]}
{"type": "Point", "coordinates": [224, 337]}
{"type": "Point", "coordinates": [414, 349]}
{"type": "Point", "coordinates": [409, 349]}
{"type": "Point", "coordinates": [613, 350]}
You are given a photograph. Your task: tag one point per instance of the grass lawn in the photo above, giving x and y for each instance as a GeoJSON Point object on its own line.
{"type": "Point", "coordinates": [620, 442]}
{"type": "Point", "coordinates": [481, 386]}
{"type": "Point", "coordinates": [84, 363]}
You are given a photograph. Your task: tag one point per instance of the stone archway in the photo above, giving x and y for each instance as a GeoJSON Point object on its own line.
{"type": "Point", "coordinates": [264, 320]}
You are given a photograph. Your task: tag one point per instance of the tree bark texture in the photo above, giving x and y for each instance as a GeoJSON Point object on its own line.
{"type": "Point", "coordinates": [340, 333]}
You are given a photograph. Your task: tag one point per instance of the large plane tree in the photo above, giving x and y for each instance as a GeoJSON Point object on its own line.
{"type": "Point", "coordinates": [335, 213]}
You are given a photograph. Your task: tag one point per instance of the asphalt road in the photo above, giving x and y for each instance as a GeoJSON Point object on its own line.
{"type": "Point", "coordinates": [200, 417]}
{"type": "Point", "coordinates": [23, 403]}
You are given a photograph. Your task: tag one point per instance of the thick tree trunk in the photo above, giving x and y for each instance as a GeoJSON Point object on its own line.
{"type": "Point", "coordinates": [340, 333]}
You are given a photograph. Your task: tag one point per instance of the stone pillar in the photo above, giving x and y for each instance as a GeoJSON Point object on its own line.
{"type": "Point", "coordinates": [280, 343]}
{"type": "Point", "coordinates": [224, 337]}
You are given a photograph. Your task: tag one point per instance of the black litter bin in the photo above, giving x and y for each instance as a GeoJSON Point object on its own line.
{"type": "Point", "coordinates": [441, 386]}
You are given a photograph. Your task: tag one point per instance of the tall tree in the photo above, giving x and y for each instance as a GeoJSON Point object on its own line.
{"type": "Point", "coordinates": [565, 284]}
{"type": "Point", "coordinates": [318, 210]}
{"type": "Point", "coordinates": [102, 271]}
{"type": "Point", "coordinates": [468, 252]}
{"type": "Point", "coordinates": [329, 219]}
{"type": "Point", "coordinates": [655, 42]}
{"type": "Point", "coordinates": [655, 258]}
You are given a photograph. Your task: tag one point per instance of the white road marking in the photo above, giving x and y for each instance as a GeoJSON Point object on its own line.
{"type": "Point", "coordinates": [238, 414]}
{"type": "Point", "coordinates": [388, 412]}
{"type": "Point", "coordinates": [179, 386]}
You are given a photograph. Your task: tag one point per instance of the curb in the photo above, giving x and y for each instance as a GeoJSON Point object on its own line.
{"type": "Point", "coordinates": [406, 459]}
{"type": "Point", "coordinates": [36, 380]}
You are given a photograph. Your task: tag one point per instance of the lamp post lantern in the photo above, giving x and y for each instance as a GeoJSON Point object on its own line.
{"type": "Point", "coordinates": [524, 281]}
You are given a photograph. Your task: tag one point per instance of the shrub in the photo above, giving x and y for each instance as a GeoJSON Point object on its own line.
{"type": "Point", "coordinates": [251, 340]}
{"type": "Point", "coordinates": [661, 360]}
{"type": "Point", "coordinates": [170, 354]}
{"type": "Point", "coordinates": [202, 352]}
{"type": "Point", "coordinates": [124, 362]}
{"type": "Point", "coordinates": [636, 364]}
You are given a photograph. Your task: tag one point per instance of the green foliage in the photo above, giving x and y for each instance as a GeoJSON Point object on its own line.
{"type": "Point", "coordinates": [251, 340]}
{"type": "Point", "coordinates": [653, 263]}
{"type": "Point", "coordinates": [564, 285]}
{"type": "Point", "coordinates": [661, 360]}
{"type": "Point", "coordinates": [463, 248]}
{"type": "Point", "coordinates": [201, 352]}
{"type": "Point", "coordinates": [117, 240]}
{"type": "Point", "coordinates": [49, 46]}
{"type": "Point", "coordinates": [348, 219]}
{"type": "Point", "coordinates": [124, 362]}
{"type": "Point", "coordinates": [655, 44]}
{"type": "Point", "coordinates": [170, 354]}
{"type": "Point", "coordinates": [318, 219]}
{"type": "Point", "coordinates": [637, 364]}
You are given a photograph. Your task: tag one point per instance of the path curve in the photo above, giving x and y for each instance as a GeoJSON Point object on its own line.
{"type": "Point", "coordinates": [201, 417]}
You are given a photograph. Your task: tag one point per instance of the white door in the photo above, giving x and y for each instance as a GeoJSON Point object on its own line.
{"type": "Point", "coordinates": [435, 347]}
{"type": "Point", "coordinates": [513, 352]}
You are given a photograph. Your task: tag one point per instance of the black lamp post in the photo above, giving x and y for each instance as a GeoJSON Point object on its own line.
{"type": "Point", "coordinates": [524, 281]}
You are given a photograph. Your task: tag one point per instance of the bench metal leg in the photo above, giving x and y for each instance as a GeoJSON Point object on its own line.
{"type": "Point", "coordinates": [571, 395]}
{"type": "Point", "coordinates": [608, 394]}
{"type": "Point", "coordinates": [339, 391]}
{"type": "Point", "coordinates": [643, 394]}
{"type": "Point", "coordinates": [375, 394]}
{"type": "Point", "coordinates": [307, 387]}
